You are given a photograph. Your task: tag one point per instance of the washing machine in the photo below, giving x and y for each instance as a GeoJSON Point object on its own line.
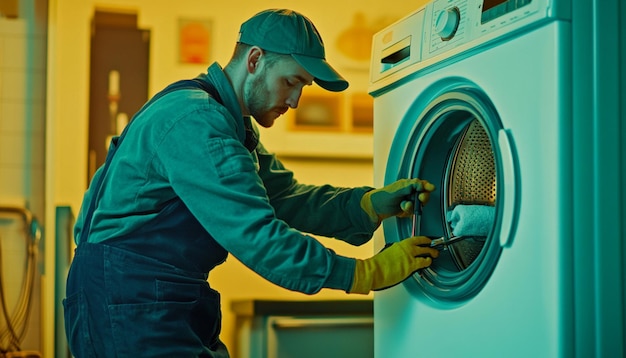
{"type": "Point", "coordinates": [512, 106]}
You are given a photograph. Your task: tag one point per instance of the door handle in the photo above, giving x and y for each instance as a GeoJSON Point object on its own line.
{"type": "Point", "coordinates": [510, 188]}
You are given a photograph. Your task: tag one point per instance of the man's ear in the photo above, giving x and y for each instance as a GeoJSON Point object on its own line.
{"type": "Point", "coordinates": [254, 56]}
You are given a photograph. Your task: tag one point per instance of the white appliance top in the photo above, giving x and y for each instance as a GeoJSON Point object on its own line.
{"type": "Point", "coordinates": [443, 29]}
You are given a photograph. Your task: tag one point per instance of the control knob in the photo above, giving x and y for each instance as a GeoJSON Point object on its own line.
{"type": "Point", "coordinates": [447, 23]}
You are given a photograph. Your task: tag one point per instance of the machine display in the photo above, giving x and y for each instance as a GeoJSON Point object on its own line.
{"type": "Point", "coordinates": [492, 9]}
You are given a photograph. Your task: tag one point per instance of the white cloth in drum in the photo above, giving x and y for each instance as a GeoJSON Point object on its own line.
{"type": "Point", "coordinates": [471, 220]}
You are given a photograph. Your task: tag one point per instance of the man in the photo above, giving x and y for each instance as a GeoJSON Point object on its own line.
{"type": "Point", "coordinates": [190, 183]}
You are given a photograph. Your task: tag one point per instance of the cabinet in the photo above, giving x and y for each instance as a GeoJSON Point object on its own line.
{"type": "Point", "coordinates": [303, 329]}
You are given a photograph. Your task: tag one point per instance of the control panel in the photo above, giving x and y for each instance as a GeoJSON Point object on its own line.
{"type": "Point", "coordinates": [444, 28]}
{"type": "Point", "coordinates": [455, 22]}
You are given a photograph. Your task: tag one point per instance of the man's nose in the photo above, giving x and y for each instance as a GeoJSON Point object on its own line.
{"type": "Point", "coordinates": [292, 101]}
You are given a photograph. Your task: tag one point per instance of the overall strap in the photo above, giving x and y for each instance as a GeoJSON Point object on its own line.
{"type": "Point", "coordinates": [182, 84]}
{"type": "Point", "coordinates": [117, 141]}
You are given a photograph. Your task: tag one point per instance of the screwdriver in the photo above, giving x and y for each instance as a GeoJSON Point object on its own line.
{"type": "Point", "coordinates": [417, 214]}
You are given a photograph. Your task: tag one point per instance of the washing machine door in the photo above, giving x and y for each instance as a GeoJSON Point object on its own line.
{"type": "Point", "coordinates": [454, 138]}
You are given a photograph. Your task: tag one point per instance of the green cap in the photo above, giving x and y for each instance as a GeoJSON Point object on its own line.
{"type": "Point", "coordinates": [288, 32]}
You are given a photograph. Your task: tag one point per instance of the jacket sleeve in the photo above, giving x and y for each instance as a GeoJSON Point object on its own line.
{"type": "Point", "coordinates": [321, 210]}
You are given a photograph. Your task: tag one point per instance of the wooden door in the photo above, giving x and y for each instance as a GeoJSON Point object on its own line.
{"type": "Point", "coordinates": [118, 79]}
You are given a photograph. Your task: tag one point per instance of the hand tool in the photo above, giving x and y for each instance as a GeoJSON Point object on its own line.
{"type": "Point", "coordinates": [443, 242]}
{"type": "Point", "coordinates": [417, 214]}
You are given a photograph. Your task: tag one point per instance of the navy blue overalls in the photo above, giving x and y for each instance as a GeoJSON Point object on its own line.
{"type": "Point", "coordinates": [155, 304]}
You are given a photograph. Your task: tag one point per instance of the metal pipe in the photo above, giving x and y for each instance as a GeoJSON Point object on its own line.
{"type": "Point", "coordinates": [32, 228]}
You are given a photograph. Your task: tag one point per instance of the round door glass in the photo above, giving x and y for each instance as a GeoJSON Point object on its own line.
{"type": "Point", "coordinates": [453, 146]}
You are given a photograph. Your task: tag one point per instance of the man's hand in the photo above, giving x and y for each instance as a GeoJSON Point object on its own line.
{"type": "Point", "coordinates": [393, 264]}
{"type": "Point", "coordinates": [395, 199]}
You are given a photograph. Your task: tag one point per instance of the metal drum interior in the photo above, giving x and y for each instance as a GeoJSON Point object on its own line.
{"type": "Point", "coordinates": [471, 180]}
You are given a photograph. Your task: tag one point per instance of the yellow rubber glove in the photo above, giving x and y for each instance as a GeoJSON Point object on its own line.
{"type": "Point", "coordinates": [392, 265]}
{"type": "Point", "coordinates": [395, 199]}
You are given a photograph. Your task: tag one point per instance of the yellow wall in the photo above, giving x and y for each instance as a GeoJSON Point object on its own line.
{"type": "Point", "coordinates": [69, 36]}
{"type": "Point", "coordinates": [68, 96]}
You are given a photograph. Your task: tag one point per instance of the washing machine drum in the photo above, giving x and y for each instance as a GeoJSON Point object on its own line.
{"type": "Point", "coordinates": [452, 146]}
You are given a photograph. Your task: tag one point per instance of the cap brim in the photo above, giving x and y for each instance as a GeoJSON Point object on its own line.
{"type": "Point", "coordinates": [323, 74]}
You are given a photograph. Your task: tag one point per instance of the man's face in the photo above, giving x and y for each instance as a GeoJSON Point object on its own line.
{"type": "Point", "coordinates": [270, 91]}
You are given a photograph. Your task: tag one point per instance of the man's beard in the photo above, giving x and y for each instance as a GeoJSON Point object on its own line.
{"type": "Point", "coordinates": [256, 96]}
